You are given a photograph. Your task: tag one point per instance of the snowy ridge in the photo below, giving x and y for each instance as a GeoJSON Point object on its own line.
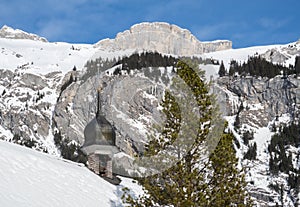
{"type": "Point", "coordinates": [42, 57]}
{"type": "Point", "coordinates": [10, 33]}
{"type": "Point", "coordinates": [282, 54]}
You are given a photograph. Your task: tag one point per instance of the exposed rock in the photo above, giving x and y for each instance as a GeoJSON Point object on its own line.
{"type": "Point", "coordinates": [163, 38]}
{"type": "Point", "coordinates": [25, 107]}
{"type": "Point", "coordinates": [263, 99]}
{"type": "Point", "coordinates": [10, 33]}
{"type": "Point", "coordinates": [127, 102]}
{"type": "Point", "coordinates": [275, 56]}
{"type": "Point", "coordinates": [32, 81]}
{"type": "Point", "coordinates": [263, 197]}
{"type": "Point", "coordinates": [282, 54]}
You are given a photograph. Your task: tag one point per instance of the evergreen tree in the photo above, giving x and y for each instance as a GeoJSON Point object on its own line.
{"type": "Point", "coordinates": [185, 183]}
{"type": "Point", "coordinates": [251, 153]}
{"type": "Point", "coordinates": [222, 71]}
{"type": "Point", "coordinates": [297, 65]}
{"type": "Point", "coordinates": [227, 182]}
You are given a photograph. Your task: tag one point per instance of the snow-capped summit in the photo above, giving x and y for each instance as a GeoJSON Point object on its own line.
{"type": "Point", "coordinates": [161, 37]}
{"type": "Point", "coordinates": [10, 33]}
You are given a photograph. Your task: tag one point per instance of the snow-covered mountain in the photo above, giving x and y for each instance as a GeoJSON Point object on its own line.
{"type": "Point", "coordinates": [46, 87]}
{"type": "Point", "coordinates": [10, 33]}
{"type": "Point", "coordinates": [162, 37]}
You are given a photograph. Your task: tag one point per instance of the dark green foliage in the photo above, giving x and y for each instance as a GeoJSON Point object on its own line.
{"type": "Point", "coordinates": [117, 71]}
{"type": "Point", "coordinates": [199, 60]}
{"type": "Point", "coordinates": [227, 183]}
{"type": "Point", "coordinates": [39, 96]}
{"type": "Point", "coordinates": [294, 180]}
{"type": "Point", "coordinates": [170, 133]}
{"type": "Point", "coordinates": [258, 67]}
{"type": "Point", "coordinates": [247, 135]}
{"type": "Point", "coordinates": [251, 153]}
{"type": "Point", "coordinates": [66, 84]}
{"type": "Point", "coordinates": [68, 149]}
{"type": "Point", "coordinates": [222, 71]}
{"type": "Point", "coordinates": [30, 143]}
{"type": "Point", "coordinates": [237, 143]}
{"type": "Point", "coordinates": [233, 67]}
{"type": "Point", "coordinates": [178, 184]}
{"type": "Point", "coordinates": [297, 65]}
{"type": "Point", "coordinates": [280, 160]}
{"type": "Point", "coordinates": [185, 183]}
{"type": "Point", "coordinates": [99, 64]}
{"type": "Point", "coordinates": [237, 121]}
{"type": "Point", "coordinates": [146, 59]}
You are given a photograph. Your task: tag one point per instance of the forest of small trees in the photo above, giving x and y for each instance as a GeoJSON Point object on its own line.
{"type": "Point", "coordinates": [281, 160]}
{"type": "Point", "coordinates": [143, 60]}
{"type": "Point", "coordinates": [260, 67]}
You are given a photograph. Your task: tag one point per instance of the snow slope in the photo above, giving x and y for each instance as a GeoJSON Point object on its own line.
{"type": "Point", "coordinates": [289, 51]}
{"type": "Point", "coordinates": [31, 178]}
{"type": "Point", "coordinates": [43, 57]}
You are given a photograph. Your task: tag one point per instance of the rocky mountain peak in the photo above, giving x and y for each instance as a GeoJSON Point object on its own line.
{"type": "Point", "coordinates": [161, 37]}
{"type": "Point", "coordinates": [10, 33]}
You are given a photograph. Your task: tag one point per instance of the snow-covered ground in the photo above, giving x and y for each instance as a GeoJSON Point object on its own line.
{"type": "Point", "coordinates": [43, 57]}
{"type": "Point", "coordinates": [242, 54]}
{"type": "Point", "coordinates": [31, 178]}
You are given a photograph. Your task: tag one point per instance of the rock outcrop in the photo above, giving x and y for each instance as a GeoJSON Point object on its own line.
{"type": "Point", "coordinates": [262, 99]}
{"type": "Point", "coordinates": [25, 108]}
{"type": "Point", "coordinates": [128, 102]}
{"type": "Point", "coordinates": [10, 33]}
{"type": "Point", "coordinates": [283, 54]}
{"type": "Point", "coordinates": [163, 38]}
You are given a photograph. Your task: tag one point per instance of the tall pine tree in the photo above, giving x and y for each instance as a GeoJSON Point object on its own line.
{"type": "Point", "coordinates": [227, 182]}
{"type": "Point", "coordinates": [188, 182]}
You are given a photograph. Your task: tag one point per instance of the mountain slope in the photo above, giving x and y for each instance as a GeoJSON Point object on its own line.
{"type": "Point", "coordinates": [10, 33]}
{"type": "Point", "coordinates": [41, 92]}
{"type": "Point", "coordinates": [31, 178]}
{"type": "Point", "coordinates": [42, 57]}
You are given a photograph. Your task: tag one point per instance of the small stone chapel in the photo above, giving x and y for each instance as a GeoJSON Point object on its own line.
{"type": "Point", "coordinates": [100, 143]}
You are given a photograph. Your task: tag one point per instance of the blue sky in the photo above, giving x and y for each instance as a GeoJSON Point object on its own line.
{"type": "Point", "coordinates": [246, 23]}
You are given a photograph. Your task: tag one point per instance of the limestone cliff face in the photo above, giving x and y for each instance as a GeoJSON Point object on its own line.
{"type": "Point", "coordinates": [25, 105]}
{"type": "Point", "coordinates": [10, 33]}
{"type": "Point", "coordinates": [262, 99]}
{"type": "Point", "coordinates": [163, 38]}
{"type": "Point", "coordinates": [129, 103]}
